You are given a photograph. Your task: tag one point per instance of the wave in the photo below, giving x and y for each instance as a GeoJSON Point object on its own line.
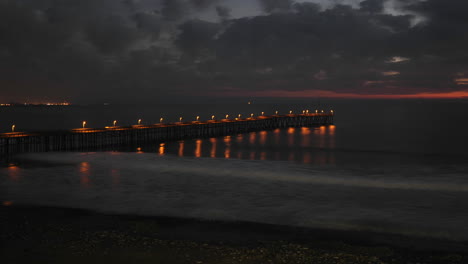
{"type": "Point", "coordinates": [267, 170]}
{"type": "Point", "coordinates": [426, 205]}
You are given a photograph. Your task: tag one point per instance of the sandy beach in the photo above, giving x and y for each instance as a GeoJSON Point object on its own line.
{"type": "Point", "coordinates": [59, 235]}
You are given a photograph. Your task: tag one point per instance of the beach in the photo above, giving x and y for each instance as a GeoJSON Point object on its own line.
{"type": "Point", "coordinates": [58, 235]}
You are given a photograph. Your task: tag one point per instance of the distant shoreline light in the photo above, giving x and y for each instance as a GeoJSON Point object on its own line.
{"type": "Point", "coordinates": [37, 104]}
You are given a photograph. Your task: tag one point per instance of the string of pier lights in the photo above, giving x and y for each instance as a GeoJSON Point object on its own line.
{"type": "Point", "coordinates": [197, 118]}
{"type": "Point", "coordinates": [161, 120]}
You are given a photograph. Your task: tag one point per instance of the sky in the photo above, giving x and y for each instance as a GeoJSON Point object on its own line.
{"type": "Point", "coordinates": [92, 51]}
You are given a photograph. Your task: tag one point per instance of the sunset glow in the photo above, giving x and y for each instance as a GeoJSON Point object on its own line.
{"type": "Point", "coordinates": [331, 94]}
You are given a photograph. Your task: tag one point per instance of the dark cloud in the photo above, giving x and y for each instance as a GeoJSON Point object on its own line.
{"type": "Point", "coordinates": [202, 4]}
{"type": "Point", "coordinates": [270, 6]}
{"type": "Point", "coordinates": [223, 12]}
{"type": "Point", "coordinates": [174, 10]}
{"type": "Point", "coordinates": [148, 22]}
{"type": "Point", "coordinates": [372, 6]}
{"type": "Point", "coordinates": [307, 8]}
{"type": "Point", "coordinates": [96, 50]}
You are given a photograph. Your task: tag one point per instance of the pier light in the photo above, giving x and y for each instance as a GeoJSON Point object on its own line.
{"type": "Point", "coordinates": [307, 111]}
{"type": "Point", "coordinates": [161, 120]}
{"type": "Point", "coordinates": [303, 111]}
{"type": "Point", "coordinates": [251, 115]}
{"type": "Point", "coordinates": [239, 116]}
{"type": "Point", "coordinates": [276, 112]}
{"type": "Point", "coordinates": [115, 122]}
{"type": "Point", "coordinates": [139, 121]}
{"type": "Point", "coordinates": [180, 119]}
{"type": "Point", "coordinates": [323, 111]}
{"type": "Point", "coordinates": [84, 124]}
{"type": "Point", "coordinates": [316, 111]}
{"type": "Point", "coordinates": [212, 117]}
{"type": "Point", "coordinates": [331, 111]}
{"type": "Point", "coordinates": [198, 118]}
{"type": "Point", "coordinates": [290, 112]}
{"type": "Point", "coordinates": [13, 128]}
{"type": "Point", "coordinates": [263, 113]}
{"type": "Point", "coordinates": [227, 116]}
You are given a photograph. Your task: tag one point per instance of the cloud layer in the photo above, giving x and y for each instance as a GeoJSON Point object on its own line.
{"type": "Point", "coordinates": [108, 50]}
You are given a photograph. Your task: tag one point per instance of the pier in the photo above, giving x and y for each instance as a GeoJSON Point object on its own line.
{"type": "Point", "coordinates": [83, 139]}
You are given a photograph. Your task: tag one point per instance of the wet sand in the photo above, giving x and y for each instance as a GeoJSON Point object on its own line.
{"type": "Point", "coordinates": [31, 234]}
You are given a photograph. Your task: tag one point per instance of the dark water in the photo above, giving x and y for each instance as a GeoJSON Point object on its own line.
{"type": "Point", "coordinates": [387, 166]}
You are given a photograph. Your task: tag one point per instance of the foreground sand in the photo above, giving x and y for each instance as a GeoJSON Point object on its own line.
{"type": "Point", "coordinates": [57, 235]}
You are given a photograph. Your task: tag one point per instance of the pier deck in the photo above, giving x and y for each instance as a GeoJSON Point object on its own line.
{"type": "Point", "coordinates": [90, 138]}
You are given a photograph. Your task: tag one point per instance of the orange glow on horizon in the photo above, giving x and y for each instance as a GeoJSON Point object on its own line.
{"type": "Point", "coordinates": [332, 94]}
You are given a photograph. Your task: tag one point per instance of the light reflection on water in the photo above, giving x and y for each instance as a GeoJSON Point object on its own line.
{"type": "Point", "coordinates": [13, 172]}
{"type": "Point", "coordinates": [275, 145]}
{"type": "Point", "coordinates": [84, 169]}
{"type": "Point", "coordinates": [314, 146]}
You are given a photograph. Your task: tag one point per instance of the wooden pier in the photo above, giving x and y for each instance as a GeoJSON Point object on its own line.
{"type": "Point", "coordinates": [95, 139]}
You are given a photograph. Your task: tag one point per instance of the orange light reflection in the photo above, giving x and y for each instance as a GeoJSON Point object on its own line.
{"type": "Point", "coordinates": [161, 149]}
{"type": "Point", "coordinates": [14, 172]}
{"type": "Point", "coordinates": [198, 148]}
{"type": "Point", "coordinates": [84, 174]}
{"type": "Point", "coordinates": [277, 135]}
{"type": "Point", "coordinates": [305, 132]}
{"type": "Point", "coordinates": [263, 136]}
{"type": "Point", "coordinates": [7, 203]}
{"type": "Point", "coordinates": [181, 148]}
{"type": "Point", "coordinates": [213, 147]}
{"type": "Point", "coordinates": [291, 131]}
{"type": "Point", "coordinates": [252, 137]}
{"type": "Point", "coordinates": [227, 151]}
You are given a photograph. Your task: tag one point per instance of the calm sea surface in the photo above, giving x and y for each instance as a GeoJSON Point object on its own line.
{"type": "Point", "coordinates": [387, 166]}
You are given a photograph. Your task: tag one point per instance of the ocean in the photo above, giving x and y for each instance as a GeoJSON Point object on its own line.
{"type": "Point", "coordinates": [386, 166]}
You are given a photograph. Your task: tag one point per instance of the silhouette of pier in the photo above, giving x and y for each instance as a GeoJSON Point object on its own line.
{"type": "Point", "coordinates": [82, 139]}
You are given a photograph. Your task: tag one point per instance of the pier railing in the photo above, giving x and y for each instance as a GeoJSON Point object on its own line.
{"type": "Point", "coordinates": [89, 138]}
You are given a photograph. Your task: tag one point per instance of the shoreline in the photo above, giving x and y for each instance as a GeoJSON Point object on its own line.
{"type": "Point", "coordinates": [55, 234]}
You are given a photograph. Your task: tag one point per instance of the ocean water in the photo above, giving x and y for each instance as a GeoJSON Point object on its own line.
{"type": "Point", "coordinates": [396, 167]}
